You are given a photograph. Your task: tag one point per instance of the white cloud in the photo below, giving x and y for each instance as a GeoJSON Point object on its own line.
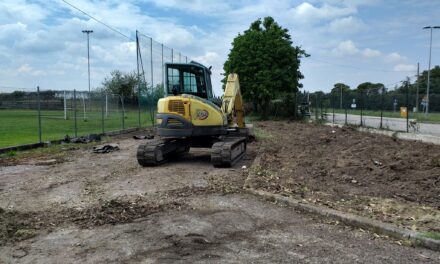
{"type": "Point", "coordinates": [208, 58]}
{"type": "Point", "coordinates": [309, 13]}
{"type": "Point", "coordinates": [405, 67]}
{"type": "Point", "coordinates": [348, 24]}
{"type": "Point", "coordinates": [22, 11]}
{"type": "Point", "coordinates": [349, 48]}
{"type": "Point", "coordinates": [28, 70]}
{"type": "Point", "coordinates": [394, 58]}
{"type": "Point", "coordinates": [199, 6]}
{"type": "Point", "coordinates": [369, 53]}
{"type": "Point", "coordinates": [346, 48]}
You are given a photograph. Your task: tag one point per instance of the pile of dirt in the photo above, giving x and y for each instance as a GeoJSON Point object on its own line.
{"type": "Point", "coordinates": [334, 165]}
{"type": "Point", "coordinates": [118, 212]}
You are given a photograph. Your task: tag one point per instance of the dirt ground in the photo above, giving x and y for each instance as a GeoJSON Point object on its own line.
{"type": "Point", "coordinates": [373, 175]}
{"type": "Point", "coordinates": [83, 207]}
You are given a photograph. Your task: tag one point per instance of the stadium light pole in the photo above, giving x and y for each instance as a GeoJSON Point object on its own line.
{"type": "Point", "coordinates": [88, 32]}
{"type": "Point", "coordinates": [429, 66]}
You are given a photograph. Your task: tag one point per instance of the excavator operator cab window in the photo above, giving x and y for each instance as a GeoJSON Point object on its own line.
{"type": "Point", "coordinates": [188, 79]}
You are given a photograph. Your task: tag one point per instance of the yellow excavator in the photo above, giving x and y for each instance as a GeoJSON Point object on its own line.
{"type": "Point", "coordinates": [190, 117]}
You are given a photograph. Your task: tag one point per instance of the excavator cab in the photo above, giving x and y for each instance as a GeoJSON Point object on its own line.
{"type": "Point", "coordinates": [188, 78]}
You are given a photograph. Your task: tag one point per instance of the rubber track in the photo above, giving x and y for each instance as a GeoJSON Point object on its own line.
{"type": "Point", "coordinates": [150, 154]}
{"type": "Point", "coordinates": [221, 152]}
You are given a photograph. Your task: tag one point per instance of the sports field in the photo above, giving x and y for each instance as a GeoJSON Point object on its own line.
{"type": "Point", "coordinates": [19, 127]}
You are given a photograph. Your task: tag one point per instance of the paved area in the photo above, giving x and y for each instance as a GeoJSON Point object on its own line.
{"type": "Point", "coordinates": [396, 124]}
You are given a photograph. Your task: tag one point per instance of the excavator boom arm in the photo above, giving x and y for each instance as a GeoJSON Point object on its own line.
{"type": "Point", "coordinates": [232, 103]}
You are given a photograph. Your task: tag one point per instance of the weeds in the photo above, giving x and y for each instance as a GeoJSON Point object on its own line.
{"type": "Point", "coordinates": [435, 162]}
{"type": "Point", "coordinates": [433, 235]}
{"type": "Point", "coordinates": [11, 153]}
{"type": "Point", "coordinates": [261, 134]}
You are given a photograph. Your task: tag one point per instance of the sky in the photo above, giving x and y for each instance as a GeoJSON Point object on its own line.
{"type": "Point", "coordinates": [350, 41]}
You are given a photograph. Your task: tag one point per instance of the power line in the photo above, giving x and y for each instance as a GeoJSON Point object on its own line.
{"type": "Point", "coordinates": [354, 67]}
{"type": "Point", "coordinates": [16, 87]}
{"type": "Point", "coordinates": [100, 22]}
{"type": "Point", "coordinates": [110, 27]}
{"type": "Point", "coordinates": [143, 35]}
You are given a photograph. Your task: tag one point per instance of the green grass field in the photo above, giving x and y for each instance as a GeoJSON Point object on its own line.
{"type": "Point", "coordinates": [19, 127]}
{"type": "Point", "coordinates": [431, 118]}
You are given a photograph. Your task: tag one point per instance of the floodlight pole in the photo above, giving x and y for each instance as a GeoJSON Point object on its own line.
{"type": "Point", "coordinates": [88, 32]}
{"type": "Point", "coordinates": [429, 66]}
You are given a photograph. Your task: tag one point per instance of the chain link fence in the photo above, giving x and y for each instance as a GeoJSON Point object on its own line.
{"type": "Point", "coordinates": [37, 115]}
{"type": "Point", "coordinates": [46, 115]}
{"type": "Point", "coordinates": [378, 108]}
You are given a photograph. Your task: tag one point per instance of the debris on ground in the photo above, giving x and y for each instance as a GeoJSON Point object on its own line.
{"type": "Point", "coordinates": [20, 253]}
{"type": "Point", "coordinates": [143, 136]}
{"type": "Point", "coordinates": [342, 170]}
{"type": "Point", "coordinates": [377, 163]}
{"type": "Point", "coordinates": [46, 162]}
{"type": "Point", "coordinates": [106, 148]}
{"type": "Point", "coordinates": [82, 139]}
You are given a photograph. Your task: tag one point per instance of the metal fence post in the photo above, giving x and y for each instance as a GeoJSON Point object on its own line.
{"type": "Point", "coordinates": [333, 110]}
{"type": "Point", "coordinates": [39, 114]}
{"type": "Point", "coordinates": [316, 107]}
{"type": "Point", "coordinates": [362, 105]}
{"type": "Point", "coordinates": [151, 64]}
{"type": "Point", "coordinates": [106, 105]}
{"type": "Point", "coordinates": [344, 105]}
{"type": "Point", "coordinates": [74, 114]}
{"type": "Point", "coordinates": [407, 105]}
{"type": "Point", "coordinates": [65, 105]}
{"type": "Point", "coordinates": [381, 107]}
{"type": "Point", "coordinates": [163, 83]}
{"type": "Point", "coordinates": [346, 123]}
{"type": "Point", "coordinates": [138, 79]}
{"type": "Point", "coordinates": [123, 112]}
{"type": "Point", "coordinates": [321, 112]}
{"type": "Point", "coordinates": [102, 113]}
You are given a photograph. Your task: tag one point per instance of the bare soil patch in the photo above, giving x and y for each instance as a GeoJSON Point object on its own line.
{"type": "Point", "coordinates": [105, 208]}
{"type": "Point", "coordinates": [383, 177]}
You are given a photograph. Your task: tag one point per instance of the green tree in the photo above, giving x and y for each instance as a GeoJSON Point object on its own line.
{"type": "Point", "coordinates": [338, 93]}
{"type": "Point", "coordinates": [121, 83]}
{"type": "Point", "coordinates": [338, 87]}
{"type": "Point", "coordinates": [266, 62]}
{"type": "Point", "coordinates": [369, 88]}
{"type": "Point", "coordinates": [422, 80]}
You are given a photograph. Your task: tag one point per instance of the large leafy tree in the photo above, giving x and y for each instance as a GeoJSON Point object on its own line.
{"type": "Point", "coordinates": [266, 62]}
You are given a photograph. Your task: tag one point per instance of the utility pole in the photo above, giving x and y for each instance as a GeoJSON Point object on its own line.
{"type": "Point", "coordinates": [417, 83]}
{"type": "Point", "coordinates": [88, 32]}
{"type": "Point", "coordinates": [429, 66]}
